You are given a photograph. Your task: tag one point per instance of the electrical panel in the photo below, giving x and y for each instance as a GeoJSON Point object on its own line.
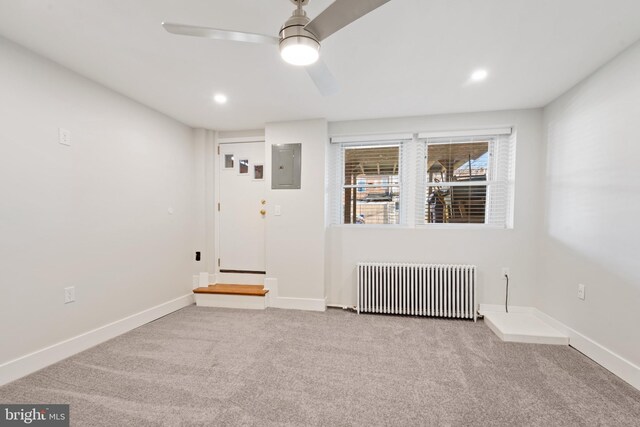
{"type": "Point", "coordinates": [286, 166]}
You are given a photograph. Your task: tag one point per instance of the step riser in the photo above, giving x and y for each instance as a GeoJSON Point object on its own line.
{"type": "Point", "coordinates": [239, 279]}
{"type": "Point", "coordinates": [231, 301]}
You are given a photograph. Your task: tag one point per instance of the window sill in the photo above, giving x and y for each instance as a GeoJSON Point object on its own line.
{"type": "Point", "coordinates": [463, 227]}
{"type": "Point", "coordinates": [374, 226]}
{"type": "Point", "coordinates": [476, 227]}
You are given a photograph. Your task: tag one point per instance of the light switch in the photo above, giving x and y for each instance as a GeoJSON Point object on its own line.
{"type": "Point", "coordinates": [277, 211]}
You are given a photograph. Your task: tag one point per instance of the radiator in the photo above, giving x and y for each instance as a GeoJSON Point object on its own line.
{"type": "Point", "coordinates": [417, 289]}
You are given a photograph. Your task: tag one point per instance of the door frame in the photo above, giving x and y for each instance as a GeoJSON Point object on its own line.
{"type": "Point", "coordinates": [216, 197]}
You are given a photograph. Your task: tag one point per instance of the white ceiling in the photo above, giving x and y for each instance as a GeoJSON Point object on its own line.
{"type": "Point", "coordinates": [409, 57]}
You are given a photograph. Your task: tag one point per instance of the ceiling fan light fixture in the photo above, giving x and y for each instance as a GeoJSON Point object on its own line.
{"type": "Point", "coordinates": [299, 51]}
{"type": "Point", "coordinates": [299, 37]}
{"type": "Point", "coordinates": [298, 46]}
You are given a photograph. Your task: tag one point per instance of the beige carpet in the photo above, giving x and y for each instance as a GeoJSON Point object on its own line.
{"type": "Point", "coordinates": [205, 366]}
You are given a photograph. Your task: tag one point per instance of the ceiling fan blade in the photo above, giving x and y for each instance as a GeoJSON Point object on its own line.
{"type": "Point", "coordinates": [325, 82]}
{"type": "Point", "coordinates": [213, 33]}
{"type": "Point", "coordinates": [339, 14]}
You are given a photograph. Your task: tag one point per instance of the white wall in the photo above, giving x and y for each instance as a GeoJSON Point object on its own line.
{"type": "Point", "coordinates": [489, 249]}
{"type": "Point", "coordinates": [295, 241]}
{"type": "Point", "coordinates": [204, 225]}
{"type": "Point", "coordinates": [93, 215]}
{"type": "Point", "coordinates": [592, 199]}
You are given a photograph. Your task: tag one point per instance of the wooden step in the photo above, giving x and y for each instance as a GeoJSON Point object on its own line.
{"type": "Point", "coordinates": [224, 289]}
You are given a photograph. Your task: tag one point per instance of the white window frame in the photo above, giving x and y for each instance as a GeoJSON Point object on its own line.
{"type": "Point", "coordinates": [501, 171]}
{"type": "Point", "coordinates": [363, 142]}
{"type": "Point", "coordinates": [412, 176]}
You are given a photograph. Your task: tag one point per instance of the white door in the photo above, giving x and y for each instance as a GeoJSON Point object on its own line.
{"type": "Point", "coordinates": [242, 208]}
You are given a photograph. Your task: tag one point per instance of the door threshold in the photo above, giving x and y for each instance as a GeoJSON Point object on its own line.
{"type": "Point", "coordinates": [242, 271]}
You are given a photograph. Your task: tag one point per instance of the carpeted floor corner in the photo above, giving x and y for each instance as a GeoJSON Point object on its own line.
{"type": "Point", "coordinates": [216, 367]}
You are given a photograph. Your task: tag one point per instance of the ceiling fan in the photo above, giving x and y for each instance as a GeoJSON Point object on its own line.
{"type": "Point", "coordinates": [299, 38]}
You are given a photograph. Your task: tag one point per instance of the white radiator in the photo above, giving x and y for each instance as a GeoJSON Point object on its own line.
{"type": "Point", "coordinates": [417, 289]}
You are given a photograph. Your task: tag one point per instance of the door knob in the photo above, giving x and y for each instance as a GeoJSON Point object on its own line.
{"type": "Point", "coordinates": [262, 212]}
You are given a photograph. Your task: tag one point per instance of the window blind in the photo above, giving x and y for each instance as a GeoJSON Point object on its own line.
{"type": "Point", "coordinates": [366, 181]}
{"type": "Point", "coordinates": [465, 180]}
{"type": "Point", "coordinates": [372, 139]}
{"type": "Point", "coordinates": [466, 133]}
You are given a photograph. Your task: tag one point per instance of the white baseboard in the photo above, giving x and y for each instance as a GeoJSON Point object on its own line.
{"type": "Point", "coordinates": [32, 362]}
{"type": "Point", "coordinates": [308, 304]}
{"type": "Point", "coordinates": [342, 306]}
{"type": "Point", "coordinates": [276, 301]}
{"type": "Point", "coordinates": [616, 364]}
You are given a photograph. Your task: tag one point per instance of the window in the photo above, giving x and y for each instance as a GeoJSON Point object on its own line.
{"type": "Point", "coordinates": [432, 179]}
{"type": "Point", "coordinates": [228, 161]}
{"type": "Point", "coordinates": [467, 181]}
{"type": "Point", "coordinates": [371, 184]}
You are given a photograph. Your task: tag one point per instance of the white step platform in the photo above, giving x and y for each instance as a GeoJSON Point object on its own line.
{"type": "Point", "coordinates": [522, 324]}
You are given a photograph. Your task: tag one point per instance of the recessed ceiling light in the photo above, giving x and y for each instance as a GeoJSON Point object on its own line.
{"type": "Point", "coordinates": [220, 98]}
{"type": "Point", "coordinates": [479, 75]}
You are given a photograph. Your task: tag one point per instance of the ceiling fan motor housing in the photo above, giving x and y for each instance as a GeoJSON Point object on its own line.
{"type": "Point", "coordinates": [300, 2]}
{"type": "Point", "coordinates": [293, 32]}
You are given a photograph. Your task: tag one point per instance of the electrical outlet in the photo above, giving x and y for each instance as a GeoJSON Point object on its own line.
{"type": "Point", "coordinates": [581, 291]}
{"type": "Point", "coordinates": [505, 272]}
{"type": "Point", "coordinates": [69, 294]}
{"type": "Point", "coordinates": [64, 136]}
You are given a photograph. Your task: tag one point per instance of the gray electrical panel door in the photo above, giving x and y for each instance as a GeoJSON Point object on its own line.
{"type": "Point", "coordinates": [286, 166]}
